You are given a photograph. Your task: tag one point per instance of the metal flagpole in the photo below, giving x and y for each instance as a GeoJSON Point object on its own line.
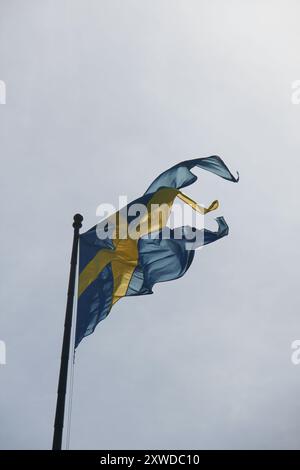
{"type": "Point", "coordinates": [63, 374]}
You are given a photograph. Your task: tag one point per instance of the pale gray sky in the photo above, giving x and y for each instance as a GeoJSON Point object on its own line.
{"type": "Point", "coordinates": [102, 96]}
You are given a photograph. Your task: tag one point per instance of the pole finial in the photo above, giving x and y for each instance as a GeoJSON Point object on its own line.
{"type": "Point", "coordinates": [77, 220]}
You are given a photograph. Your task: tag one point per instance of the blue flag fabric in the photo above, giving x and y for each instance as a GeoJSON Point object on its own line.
{"type": "Point", "coordinates": [116, 266]}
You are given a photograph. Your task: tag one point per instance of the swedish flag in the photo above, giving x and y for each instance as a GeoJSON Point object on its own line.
{"type": "Point", "coordinates": [121, 265]}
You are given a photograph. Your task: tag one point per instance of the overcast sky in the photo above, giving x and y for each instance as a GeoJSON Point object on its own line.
{"type": "Point", "coordinates": [102, 96]}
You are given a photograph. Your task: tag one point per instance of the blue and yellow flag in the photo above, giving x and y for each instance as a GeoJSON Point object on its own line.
{"type": "Point", "coordinates": [126, 255]}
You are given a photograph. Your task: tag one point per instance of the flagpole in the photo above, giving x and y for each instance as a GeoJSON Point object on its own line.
{"type": "Point", "coordinates": [63, 373]}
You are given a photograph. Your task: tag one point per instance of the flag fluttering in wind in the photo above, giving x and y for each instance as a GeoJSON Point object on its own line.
{"type": "Point", "coordinates": [134, 254]}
